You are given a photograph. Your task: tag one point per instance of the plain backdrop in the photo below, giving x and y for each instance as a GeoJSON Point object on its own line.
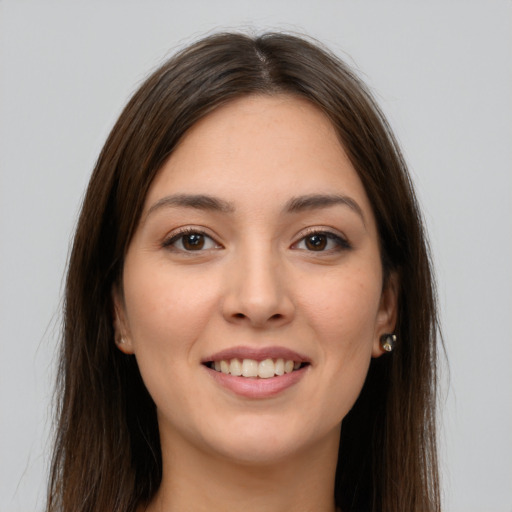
{"type": "Point", "coordinates": [442, 72]}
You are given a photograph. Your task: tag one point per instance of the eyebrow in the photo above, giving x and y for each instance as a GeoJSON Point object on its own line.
{"type": "Point", "coordinates": [318, 201]}
{"type": "Point", "coordinates": [294, 205]}
{"type": "Point", "coordinates": [197, 201]}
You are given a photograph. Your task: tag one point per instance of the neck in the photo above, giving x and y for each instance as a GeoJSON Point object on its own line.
{"type": "Point", "coordinates": [197, 481]}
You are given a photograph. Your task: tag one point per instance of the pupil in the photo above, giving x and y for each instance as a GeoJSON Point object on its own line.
{"type": "Point", "coordinates": [316, 242]}
{"type": "Point", "coordinates": [193, 241]}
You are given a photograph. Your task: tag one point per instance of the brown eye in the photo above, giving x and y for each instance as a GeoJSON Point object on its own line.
{"type": "Point", "coordinates": [322, 241]}
{"type": "Point", "coordinates": [190, 241]}
{"type": "Point", "coordinates": [316, 242]}
{"type": "Point", "coordinates": [193, 242]}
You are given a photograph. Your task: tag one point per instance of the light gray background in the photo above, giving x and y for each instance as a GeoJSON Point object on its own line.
{"type": "Point", "coordinates": [442, 71]}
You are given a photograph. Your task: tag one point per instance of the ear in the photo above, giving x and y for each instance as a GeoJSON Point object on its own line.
{"type": "Point", "coordinates": [122, 335]}
{"type": "Point", "coordinates": [387, 314]}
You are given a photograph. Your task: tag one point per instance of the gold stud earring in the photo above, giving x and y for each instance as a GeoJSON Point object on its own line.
{"type": "Point", "coordinates": [388, 342]}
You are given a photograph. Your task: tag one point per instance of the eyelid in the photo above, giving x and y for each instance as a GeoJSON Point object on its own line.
{"type": "Point", "coordinates": [176, 234]}
{"type": "Point", "coordinates": [333, 234]}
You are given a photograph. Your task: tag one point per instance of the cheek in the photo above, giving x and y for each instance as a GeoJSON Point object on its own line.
{"type": "Point", "coordinates": [166, 312]}
{"type": "Point", "coordinates": [343, 318]}
{"type": "Point", "coordinates": [343, 310]}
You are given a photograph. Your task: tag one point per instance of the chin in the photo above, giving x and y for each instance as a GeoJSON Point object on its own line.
{"type": "Point", "coordinates": [263, 440]}
{"type": "Point", "coordinates": [257, 450]}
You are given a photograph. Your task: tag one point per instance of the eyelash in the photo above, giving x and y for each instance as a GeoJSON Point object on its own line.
{"type": "Point", "coordinates": [181, 234]}
{"type": "Point", "coordinates": [341, 243]}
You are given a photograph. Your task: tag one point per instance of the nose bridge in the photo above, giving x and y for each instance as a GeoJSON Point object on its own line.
{"type": "Point", "coordinates": [257, 286]}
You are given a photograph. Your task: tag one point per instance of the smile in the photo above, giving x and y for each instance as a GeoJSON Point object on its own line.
{"type": "Point", "coordinates": [251, 368]}
{"type": "Point", "coordinates": [257, 372]}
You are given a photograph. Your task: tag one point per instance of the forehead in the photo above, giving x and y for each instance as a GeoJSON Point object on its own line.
{"type": "Point", "coordinates": [258, 149]}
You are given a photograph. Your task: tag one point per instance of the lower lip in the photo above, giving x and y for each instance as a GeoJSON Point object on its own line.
{"type": "Point", "coordinates": [253, 387]}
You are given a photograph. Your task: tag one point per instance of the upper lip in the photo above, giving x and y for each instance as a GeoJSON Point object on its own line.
{"type": "Point", "coordinates": [258, 354]}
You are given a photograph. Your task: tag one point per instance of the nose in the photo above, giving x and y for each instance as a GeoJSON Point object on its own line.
{"type": "Point", "coordinates": [258, 293]}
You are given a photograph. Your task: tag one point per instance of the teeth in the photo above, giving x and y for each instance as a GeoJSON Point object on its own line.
{"type": "Point", "coordinates": [266, 369]}
{"type": "Point", "coordinates": [224, 367]}
{"type": "Point", "coordinates": [235, 367]}
{"type": "Point", "coordinates": [249, 368]}
{"type": "Point", "coordinates": [252, 368]}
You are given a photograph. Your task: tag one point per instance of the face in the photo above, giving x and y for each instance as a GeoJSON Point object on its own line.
{"type": "Point", "coordinates": [252, 291]}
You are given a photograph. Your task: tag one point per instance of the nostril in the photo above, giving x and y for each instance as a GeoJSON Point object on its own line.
{"type": "Point", "coordinates": [257, 318]}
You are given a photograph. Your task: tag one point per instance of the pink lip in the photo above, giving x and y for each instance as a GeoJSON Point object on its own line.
{"type": "Point", "coordinates": [258, 354]}
{"type": "Point", "coordinates": [253, 387]}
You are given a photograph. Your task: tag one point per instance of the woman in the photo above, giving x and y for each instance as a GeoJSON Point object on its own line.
{"type": "Point", "coordinates": [249, 250]}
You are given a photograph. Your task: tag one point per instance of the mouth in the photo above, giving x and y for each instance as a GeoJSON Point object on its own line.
{"type": "Point", "coordinates": [256, 369]}
{"type": "Point", "coordinates": [257, 373]}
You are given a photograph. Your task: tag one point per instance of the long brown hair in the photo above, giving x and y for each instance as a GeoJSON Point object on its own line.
{"type": "Point", "coordinates": [107, 451]}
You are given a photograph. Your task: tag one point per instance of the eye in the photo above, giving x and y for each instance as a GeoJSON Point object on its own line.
{"type": "Point", "coordinates": [191, 240]}
{"type": "Point", "coordinates": [322, 241]}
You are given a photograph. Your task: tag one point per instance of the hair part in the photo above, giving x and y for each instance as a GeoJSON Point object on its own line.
{"type": "Point", "coordinates": [107, 451]}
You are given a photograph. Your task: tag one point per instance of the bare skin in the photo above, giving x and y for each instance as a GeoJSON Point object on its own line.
{"type": "Point", "coordinates": [257, 243]}
{"type": "Point", "coordinates": [302, 484]}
